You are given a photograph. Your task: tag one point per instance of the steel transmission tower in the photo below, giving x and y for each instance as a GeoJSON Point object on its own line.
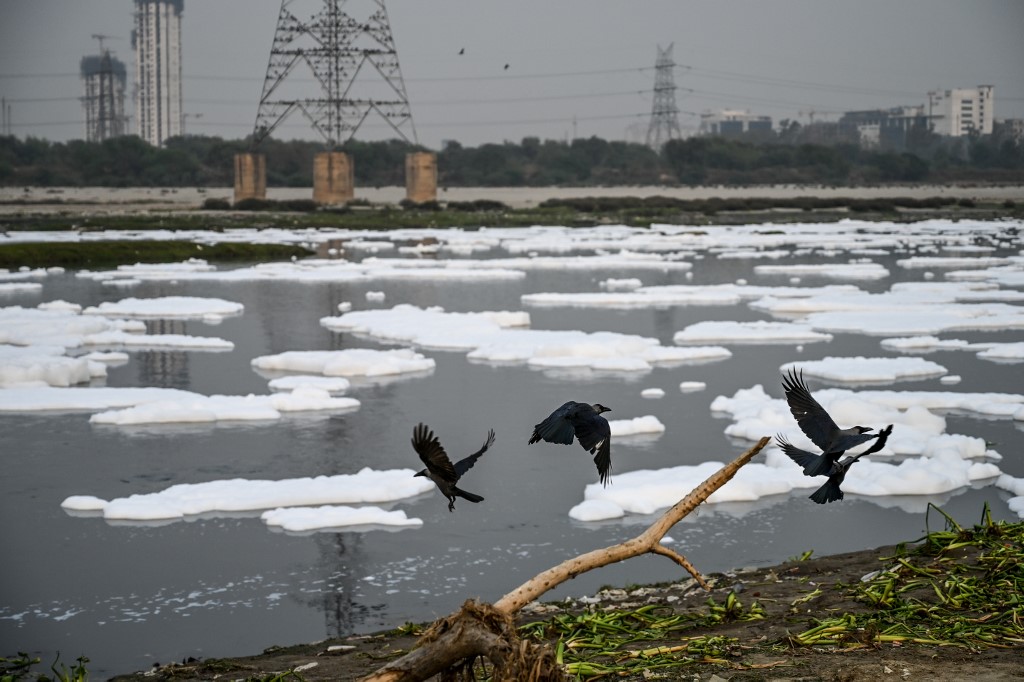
{"type": "Point", "coordinates": [664, 124]}
{"type": "Point", "coordinates": [353, 64]}
{"type": "Point", "coordinates": [105, 79]}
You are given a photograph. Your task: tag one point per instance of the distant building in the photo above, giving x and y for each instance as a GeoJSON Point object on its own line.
{"type": "Point", "coordinates": [1009, 129]}
{"type": "Point", "coordinates": [883, 128]}
{"type": "Point", "coordinates": [963, 111]}
{"type": "Point", "coordinates": [156, 40]}
{"type": "Point", "coordinates": [105, 79]}
{"type": "Point", "coordinates": [731, 122]}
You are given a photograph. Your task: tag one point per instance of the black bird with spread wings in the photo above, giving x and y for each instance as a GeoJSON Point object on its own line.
{"type": "Point", "coordinates": [830, 491]}
{"type": "Point", "coordinates": [816, 423]}
{"type": "Point", "coordinates": [585, 422]}
{"type": "Point", "coordinates": [440, 469]}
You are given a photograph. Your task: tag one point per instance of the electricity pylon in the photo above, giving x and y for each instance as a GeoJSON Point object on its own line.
{"type": "Point", "coordinates": [353, 64]}
{"type": "Point", "coordinates": [664, 124]}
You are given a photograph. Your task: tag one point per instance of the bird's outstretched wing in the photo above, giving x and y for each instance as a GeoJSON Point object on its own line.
{"type": "Point", "coordinates": [465, 464]}
{"type": "Point", "coordinates": [811, 416]}
{"type": "Point", "coordinates": [428, 447]}
{"type": "Point", "coordinates": [813, 465]}
{"type": "Point", "coordinates": [557, 428]}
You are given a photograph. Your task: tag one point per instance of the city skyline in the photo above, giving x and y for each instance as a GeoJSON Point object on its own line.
{"type": "Point", "coordinates": [576, 69]}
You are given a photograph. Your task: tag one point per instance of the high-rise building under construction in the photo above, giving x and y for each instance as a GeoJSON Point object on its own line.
{"type": "Point", "coordinates": [156, 40]}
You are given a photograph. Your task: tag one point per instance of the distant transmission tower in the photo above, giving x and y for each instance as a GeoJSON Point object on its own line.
{"type": "Point", "coordinates": [664, 124]}
{"type": "Point", "coordinates": [105, 77]}
{"type": "Point", "coordinates": [354, 67]}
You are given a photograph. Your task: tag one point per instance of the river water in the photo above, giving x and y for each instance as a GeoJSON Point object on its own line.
{"type": "Point", "coordinates": [130, 595]}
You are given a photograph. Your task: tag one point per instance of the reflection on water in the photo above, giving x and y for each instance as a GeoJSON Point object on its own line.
{"type": "Point", "coordinates": [225, 584]}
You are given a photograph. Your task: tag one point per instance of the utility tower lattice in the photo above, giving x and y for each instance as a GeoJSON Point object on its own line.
{"type": "Point", "coordinates": [352, 61]}
{"type": "Point", "coordinates": [664, 124]}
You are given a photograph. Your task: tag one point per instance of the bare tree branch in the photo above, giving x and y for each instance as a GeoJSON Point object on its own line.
{"type": "Point", "coordinates": [682, 561]}
{"type": "Point", "coordinates": [641, 544]}
{"type": "Point", "coordinates": [484, 630]}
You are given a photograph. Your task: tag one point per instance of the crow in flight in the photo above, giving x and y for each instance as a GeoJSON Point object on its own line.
{"type": "Point", "coordinates": [815, 422]}
{"type": "Point", "coordinates": [830, 491]}
{"type": "Point", "coordinates": [440, 469]}
{"type": "Point", "coordinates": [588, 426]}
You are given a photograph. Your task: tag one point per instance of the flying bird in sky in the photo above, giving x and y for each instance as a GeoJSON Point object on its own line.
{"type": "Point", "coordinates": [440, 469]}
{"type": "Point", "coordinates": [588, 426]}
{"type": "Point", "coordinates": [816, 423]}
{"type": "Point", "coordinates": [462, 50]}
{"type": "Point", "coordinates": [830, 491]}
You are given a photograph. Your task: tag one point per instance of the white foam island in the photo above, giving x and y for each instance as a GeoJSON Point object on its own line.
{"type": "Point", "coordinates": [166, 307]}
{"type": "Point", "coordinates": [638, 426]}
{"type": "Point", "coordinates": [63, 325]}
{"type": "Point", "coordinates": [239, 495]}
{"type": "Point", "coordinates": [12, 288]}
{"type": "Point", "coordinates": [134, 406]}
{"type": "Point", "coordinates": [307, 519]}
{"type": "Point", "coordinates": [679, 295]}
{"type": "Point", "coordinates": [355, 362]}
{"type": "Point", "coordinates": [497, 337]}
{"type": "Point", "coordinates": [45, 366]}
{"type": "Point", "coordinates": [920, 458]}
{"type": "Point", "coordinates": [294, 381]}
{"type": "Point", "coordinates": [427, 327]}
{"type": "Point", "coordinates": [867, 370]}
{"type": "Point", "coordinates": [1003, 352]}
{"type": "Point", "coordinates": [759, 331]}
{"type": "Point", "coordinates": [845, 271]}
{"type": "Point", "coordinates": [226, 408]}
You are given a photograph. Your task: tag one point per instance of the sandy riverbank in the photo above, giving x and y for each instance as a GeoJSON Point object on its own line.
{"type": "Point", "coordinates": [113, 199]}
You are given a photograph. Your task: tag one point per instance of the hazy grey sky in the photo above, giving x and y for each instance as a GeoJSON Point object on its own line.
{"type": "Point", "coordinates": [576, 67]}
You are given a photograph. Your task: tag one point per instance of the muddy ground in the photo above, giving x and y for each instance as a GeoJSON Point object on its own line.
{"type": "Point", "coordinates": [761, 650]}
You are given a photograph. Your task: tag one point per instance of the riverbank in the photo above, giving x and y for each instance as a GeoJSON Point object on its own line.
{"type": "Point", "coordinates": [148, 199]}
{"type": "Point", "coordinates": [97, 209]}
{"type": "Point", "coordinates": [947, 608]}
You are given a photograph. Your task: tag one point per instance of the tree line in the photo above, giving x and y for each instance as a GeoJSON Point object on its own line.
{"type": "Point", "coordinates": [201, 161]}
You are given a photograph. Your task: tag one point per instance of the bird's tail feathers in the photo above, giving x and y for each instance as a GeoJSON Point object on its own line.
{"type": "Point", "coordinates": [829, 492]}
{"type": "Point", "coordinates": [472, 497]}
{"type": "Point", "coordinates": [603, 460]}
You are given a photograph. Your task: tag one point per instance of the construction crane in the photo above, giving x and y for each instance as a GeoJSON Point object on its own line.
{"type": "Point", "coordinates": [101, 37]}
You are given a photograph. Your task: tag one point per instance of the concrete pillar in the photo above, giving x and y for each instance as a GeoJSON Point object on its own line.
{"type": "Point", "coordinates": [250, 176]}
{"type": "Point", "coordinates": [421, 177]}
{"type": "Point", "coordinates": [333, 178]}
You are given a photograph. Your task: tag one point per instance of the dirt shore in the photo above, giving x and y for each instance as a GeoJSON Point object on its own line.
{"type": "Point", "coordinates": [151, 199]}
{"type": "Point", "coordinates": [793, 594]}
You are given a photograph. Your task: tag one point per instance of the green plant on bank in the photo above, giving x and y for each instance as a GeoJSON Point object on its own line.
{"type": "Point", "coordinates": [931, 595]}
{"type": "Point", "coordinates": [957, 587]}
{"type": "Point", "coordinates": [20, 668]}
{"type": "Point", "coordinates": [93, 254]}
{"type": "Point", "coordinates": [597, 643]}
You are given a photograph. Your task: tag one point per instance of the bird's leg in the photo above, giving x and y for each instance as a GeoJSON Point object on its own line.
{"type": "Point", "coordinates": [451, 504]}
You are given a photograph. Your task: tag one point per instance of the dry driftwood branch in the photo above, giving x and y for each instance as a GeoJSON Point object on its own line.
{"type": "Point", "coordinates": [483, 630]}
